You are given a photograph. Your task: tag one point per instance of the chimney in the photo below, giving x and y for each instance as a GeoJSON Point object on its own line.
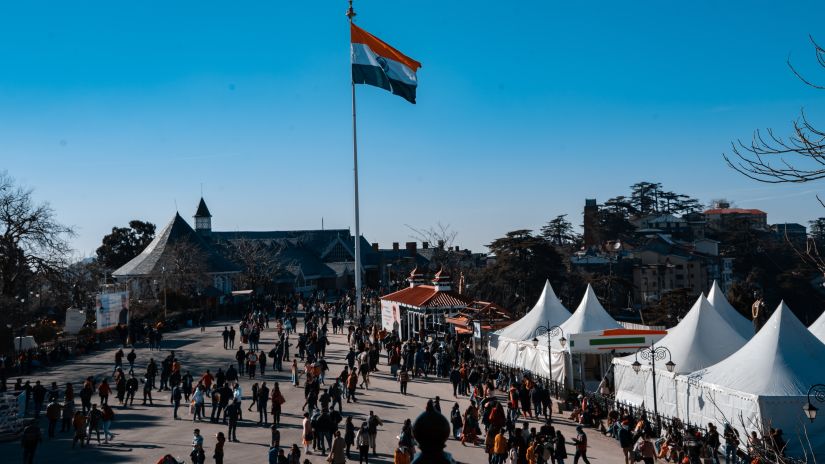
{"type": "Point", "coordinates": [425, 245]}
{"type": "Point", "coordinates": [441, 244]}
{"type": "Point", "coordinates": [375, 246]}
{"type": "Point", "coordinates": [457, 248]}
{"type": "Point", "coordinates": [394, 246]}
{"type": "Point", "coordinates": [412, 248]}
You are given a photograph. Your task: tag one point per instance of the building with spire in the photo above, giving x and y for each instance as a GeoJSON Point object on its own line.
{"type": "Point", "coordinates": [203, 219]}
{"type": "Point", "coordinates": [421, 307]}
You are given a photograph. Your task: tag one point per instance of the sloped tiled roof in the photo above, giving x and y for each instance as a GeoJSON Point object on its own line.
{"type": "Point", "coordinates": [427, 296]}
{"type": "Point", "coordinates": [734, 211]}
{"type": "Point", "coordinates": [178, 231]}
{"type": "Point", "coordinates": [316, 241]}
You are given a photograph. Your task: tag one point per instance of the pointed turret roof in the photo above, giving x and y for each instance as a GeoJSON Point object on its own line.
{"type": "Point", "coordinates": [783, 359]}
{"type": "Point", "coordinates": [202, 211]}
{"type": "Point", "coordinates": [717, 298]}
{"type": "Point", "coordinates": [701, 339]}
{"type": "Point", "coordinates": [548, 310]}
{"type": "Point", "coordinates": [177, 231]}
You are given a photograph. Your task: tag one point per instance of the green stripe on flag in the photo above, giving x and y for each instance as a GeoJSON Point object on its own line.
{"type": "Point", "coordinates": [617, 341]}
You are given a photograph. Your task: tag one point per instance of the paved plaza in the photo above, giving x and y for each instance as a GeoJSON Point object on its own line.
{"type": "Point", "coordinates": [145, 433]}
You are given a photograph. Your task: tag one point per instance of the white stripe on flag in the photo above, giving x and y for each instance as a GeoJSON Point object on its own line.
{"type": "Point", "coordinates": [363, 54]}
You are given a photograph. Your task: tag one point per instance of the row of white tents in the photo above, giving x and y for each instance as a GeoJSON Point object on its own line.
{"type": "Point", "coordinates": [588, 331]}
{"type": "Point", "coordinates": [723, 373]}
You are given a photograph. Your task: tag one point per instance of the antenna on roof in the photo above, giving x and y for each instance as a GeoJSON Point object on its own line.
{"type": "Point", "coordinates": [176, 205]}
{"type": "Point", "coordinates": [322, 222]}
{"type": "Point", "coordinates": [201, 189]}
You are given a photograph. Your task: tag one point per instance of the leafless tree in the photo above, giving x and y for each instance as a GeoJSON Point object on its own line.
{"type": "Point", "coordinates": [797, 158]}
{"type": "Point", "coordinates": [183, 268]}
{"type": "Point", "coordinates": [771, 158]}
{"type": "Point", "coordinates": [32, 242]}
{"type": "Point", "coordinates": [439, 235]}
{"type": "Point", "coordinates": [258, 260]}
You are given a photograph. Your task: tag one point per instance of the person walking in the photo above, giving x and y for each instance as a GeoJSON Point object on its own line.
{"type": "Point", "coordinates": [337, 451]}
{"type": "Point", "coordinates": [52, 414]}
{"type": "Point", "coordinates": [131, 389]}
{"type": "Point", "coordinates": [79, 423]}
{"type": "Point", "coordinates": [39, 396]}
{"type": "Point", "coordinates": [263, 399]}
{"type": "Point", "coordinates": [131, 357]}
{"type": "Point", "coordinates": [218, 455]}
{"type": "Point", "coordinates": [232, 413]}
{"type": "Point", "coordinates": [349, 434]}
{"type": "Point", "coordinates": [373, 421]}
{"type": "Point", "coordinates": [68, 414]}
{"type": "Point", "coordinates": [29, 440]}
{"type": "Point", "coordinates": [307, 435]}
{"type": "Point", "coordinates": [104, 391]}
{"type": "Point", "coordinates": [94, 420]}
{"type": "Point", "coordinates": [581, 446]}
{"type": "Point", "coordinates": [362, 439]}
{"type": "Point", "coordinates": [403, 379]}
{"type": "Point", "coordinates": [560, 451]}
{"type": "Point", "coordinates": [647, 450]}
{"type": "Point", "coordinates": [147, 390]}
{"type": "Point", "coordinates": [277, 400]}
{"type": "Point", "coordinates": [107, 415]}
{"type": "Point", "coordinates": [197, 400]}
{"type": "Point", "coordinates": [198, 455]}
{"type": "Point", "coordinates": [175, 399]}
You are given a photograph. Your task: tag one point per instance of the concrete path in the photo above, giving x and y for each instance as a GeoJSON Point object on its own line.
{"type": "Point", "coordinates": [145, 433]}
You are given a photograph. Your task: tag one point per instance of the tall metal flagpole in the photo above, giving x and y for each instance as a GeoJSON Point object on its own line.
{"type": "Point", "coordinates": [350, 15]}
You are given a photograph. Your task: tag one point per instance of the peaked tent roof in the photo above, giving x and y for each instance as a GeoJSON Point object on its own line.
{"type": "Point", "coordinates": [202, 211]}
{"type": "Point", "coordinates": [178, 231]}
{"type": "Point", "coordinates": [818, 328]}
{"type": "Point", "coordinates": [701, 339]}
{"type": "Point", "coordinates": [548, 310]}
{"type": "Point", "coordinates": [785, 356]}
{"type": "Point", "coordinates": [589, 316]}
{"type": "Point", "coordinates": [739, 323]}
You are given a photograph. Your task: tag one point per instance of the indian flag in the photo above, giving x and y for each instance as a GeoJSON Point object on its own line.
{"type": "Point", "coordinates": [376, 63]}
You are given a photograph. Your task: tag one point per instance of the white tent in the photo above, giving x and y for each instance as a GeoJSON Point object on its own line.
{"type": "Point", "coordinates": [765, 383]}
{"type": "Point", "coordinates": [701, 339]}
{"type": "Point", "coordinates": [590, 316]}
{"type": "Point", "coordinates": [818, 328]}
{"type": "Point", "coordinates": [742, 325]}
{"type": "Point", "coordinates": [547, 310]}
{"type": "Point", "coordinates": [512, 345]}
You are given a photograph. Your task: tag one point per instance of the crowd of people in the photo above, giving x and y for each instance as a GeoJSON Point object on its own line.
{"type": "Point", "coordinates": [507, 413]}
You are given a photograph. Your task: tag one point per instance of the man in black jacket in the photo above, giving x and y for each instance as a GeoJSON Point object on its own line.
{"type": "Point", "coordinates": [39, 395]}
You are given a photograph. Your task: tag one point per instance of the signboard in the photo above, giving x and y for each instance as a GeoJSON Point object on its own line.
{"type": "Point", "coordinates": [477, 330]}
{"type": "Point", "coordinates": [75, 319]}
{"type": "Point", "coordinates": [390, 316]}
{"type": "Point", "coordinates": [111, 309]}
{"type": "Point", "coordinates": [618, 340]}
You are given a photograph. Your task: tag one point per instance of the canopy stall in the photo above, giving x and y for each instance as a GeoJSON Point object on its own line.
{"type": "Point", "coordinates": [701, 339]}
{"type": "Point", "coordinates": [763, 384]}
{"type": "Point", "coordinates": [512, 346]}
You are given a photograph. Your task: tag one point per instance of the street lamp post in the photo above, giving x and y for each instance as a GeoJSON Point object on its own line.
{"type": "Point", "coordinates": [818, 391]}
{"type": "Point", "coordinates": [654, 353]}
{"type": "Point", "coordinates": [551, 331]}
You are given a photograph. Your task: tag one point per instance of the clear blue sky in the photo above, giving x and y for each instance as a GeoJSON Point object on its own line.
{"type": "Point", "coordinates": [118, 110]}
